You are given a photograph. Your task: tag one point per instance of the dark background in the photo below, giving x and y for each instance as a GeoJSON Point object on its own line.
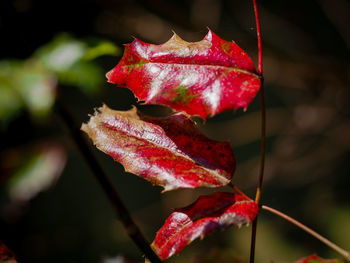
{"type": "Point", "coordinates": [306, 68]}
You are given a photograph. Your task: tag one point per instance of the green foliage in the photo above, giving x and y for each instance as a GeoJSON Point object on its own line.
{"type": "Point", "coordinates": [31, 84]}
{"type": "Point", "coordinates": [37, 168]}
{"type": "Point", "coordinates": [25, 84]}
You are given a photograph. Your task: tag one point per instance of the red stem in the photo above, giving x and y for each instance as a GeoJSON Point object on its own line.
{"type": "Point", "coordinates": [258, 34]}
{"type": "Point", "coordinates": [316, 235]}
{"type": "Point", "coordinates": [329, 243]}
{"type": "Point", "coordinates": [263, 131]}
{"type": "Point", "coordinates": [239, 191]}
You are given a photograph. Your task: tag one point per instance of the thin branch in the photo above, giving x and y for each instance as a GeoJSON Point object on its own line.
{"type": "Point", "coordinates": [327, 242]}
{"type": "Point", "coordinates": [263, 143]}
{"type": "Point", "coordinates": [262, 105]}
{"type": "Point", "coordinates": [253, 240]}
{"type": "Point", "coordinates": [131, 228]}
{"type": "Point", "coordinates": [263, 131]}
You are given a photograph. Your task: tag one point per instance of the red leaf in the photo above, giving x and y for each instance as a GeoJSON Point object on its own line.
{"type": "Point", "coordinates": [207, 214]}
{"type": "Point", "coordinates": [6, 255]}
{"type": "Point", "coordinates": [201, 78]}
{"type": "Point", "coordinates": [316, 259]}
{"type": "Point", "coordinates": [170, 152]}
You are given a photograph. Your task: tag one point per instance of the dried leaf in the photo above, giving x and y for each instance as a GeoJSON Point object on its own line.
{"type": "Point", "coordinates": [201, 78]}
{"type": "Point", "coordinates": [207, 214]}
{"type": "Point", "coordinates": [316, 259]}
{"type": "Point", "coordinates": [169, 152]}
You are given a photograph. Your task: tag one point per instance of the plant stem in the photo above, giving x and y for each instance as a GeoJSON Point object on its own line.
{"type": "Point", "coordinates": [239, 191]}
{"type": "Point", "coordinates": [263, 143]}
{"type": "Point", "coordinates": [131, 228]}
{"type": "Point", "coordinates": [329, 243]}
{"type": "Point", "coordinates": [258, 34]}
{"type": "Point", "coordinates": [263, 131]}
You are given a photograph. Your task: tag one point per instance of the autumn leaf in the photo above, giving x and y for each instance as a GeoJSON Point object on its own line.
{"type": "Point", "coordinates": [316, 259]}
{"type": "Point", "coordinates": [200, 78]}
{"type": "Point", "coordinates": [6, 255]}
{"type": "Point", "coordinates": [170, 152]}
{"type": "Point", "coordinates": [207, 214]}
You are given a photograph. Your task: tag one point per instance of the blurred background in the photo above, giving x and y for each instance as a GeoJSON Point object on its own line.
{"type": "Point", "coordinates": [52, 209]}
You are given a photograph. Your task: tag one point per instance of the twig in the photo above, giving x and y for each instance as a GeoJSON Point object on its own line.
{"type": "Point", "coordinates": [263, 131]}
{"type": "Point", "coordinates": [131, 228]}
{"type": "Point", "coordinates": [329, 243]}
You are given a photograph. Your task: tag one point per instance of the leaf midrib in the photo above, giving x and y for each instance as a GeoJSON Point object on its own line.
{"type": "Point", "coordinates": [236, 69]}
{"type": "Point", "coordinates": [212, 172]}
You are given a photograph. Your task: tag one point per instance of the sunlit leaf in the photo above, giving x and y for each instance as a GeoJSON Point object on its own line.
{"type": "Point", "coordinates": [71, 60]}
{"type": "Point", "coordinates": [10, 99]}
{"type": "Point", "coordinates": [33, 170]}
{"type": "Point", "coordinates": [201, 78]}
{"type": "Point", "coordinates": [101, 49]}
{"type": "Point", "coordinates": [6, 255]}
{"type": "Point", "coordinates": [84, 75]}
{"type": "Point", "coordinates": [25, 84]}
{"type": "Point", "coordinates": [169, 152]}
{"type": "Point", "coordinates": [316, 259]}
{"type": "Point", "coordinates": [37, 87]}
{"type": "Point", "coordinates": [207, 214]}
{"type": "Point", "coordinates": [61, 53]}
{"type": "Point", "coordinates": [31, 84]}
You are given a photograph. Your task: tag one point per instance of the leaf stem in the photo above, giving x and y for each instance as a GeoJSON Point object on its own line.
{"type": "Point", "coordinates": [263, 131]}
{"type": "Point", "coordinates": [131, 228]}
{"type": "Point", "coordinates": [239, 191]}
{"type": "Point", "coordinates": [327, 242]}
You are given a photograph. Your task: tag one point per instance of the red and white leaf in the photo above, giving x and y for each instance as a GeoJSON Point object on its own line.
{"type": "Point", "coordinates": [200, 78]}
{"type": "Point", "coordinates": [207, 214]}
{"type": "Point", "coordinates": [170, 152]}
{"type": "Point", "coordinates": [316, 259]}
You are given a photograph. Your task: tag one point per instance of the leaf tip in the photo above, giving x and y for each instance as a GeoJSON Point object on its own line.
{"type": "Point", "coordinates": [109, 75]}
{"type": "Point", "coordinates": [173, 40]}
{"type": "Point", "coordinates": [209, 35]}
{"type": "Point", "coordinates": [84, 127]}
